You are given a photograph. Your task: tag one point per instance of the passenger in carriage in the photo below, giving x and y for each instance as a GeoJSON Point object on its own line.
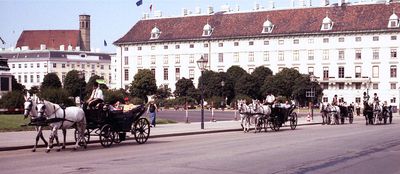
{"type": "Point", "coordinates": [128, 105]}
{"type": "Point", "coordinates": [95, 98]}
{"type": "Point", "coordinates": [116, 106]}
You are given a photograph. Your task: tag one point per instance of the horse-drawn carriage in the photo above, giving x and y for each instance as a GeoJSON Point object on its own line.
{"type": "Point", "coordinates": [376, 113]}
{"type": "Point", "coordinates": [111, 126]}
{"type": "Point", "coordinates": [280, 115]}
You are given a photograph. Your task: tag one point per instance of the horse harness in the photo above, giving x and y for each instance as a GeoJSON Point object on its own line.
{"type": "Point", "coordinates": [58, 119]}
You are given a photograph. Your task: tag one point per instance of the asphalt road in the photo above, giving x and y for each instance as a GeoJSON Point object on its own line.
{"type": "Point", "coordinates": [349, 148]}
{"type": "Point", "coordinates": [195, 115]}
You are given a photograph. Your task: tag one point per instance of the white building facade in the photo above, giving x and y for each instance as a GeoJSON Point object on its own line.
{"type": "Point", "coordinates": [351, 49]}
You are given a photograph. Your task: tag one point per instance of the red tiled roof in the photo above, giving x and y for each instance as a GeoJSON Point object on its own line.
{"type": "Point", "coordinates": [347, 18]}
{"type": "Point", "coordinates": [51, 38]}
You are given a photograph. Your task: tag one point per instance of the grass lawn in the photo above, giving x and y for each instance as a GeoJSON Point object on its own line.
{"type": "Point", "coordinates": [13, 123]}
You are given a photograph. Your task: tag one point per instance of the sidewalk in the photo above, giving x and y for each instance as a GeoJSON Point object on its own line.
{"type": "Point", "coordinates": [26, 139]}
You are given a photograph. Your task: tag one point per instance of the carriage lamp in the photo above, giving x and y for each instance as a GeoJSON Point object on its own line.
{"type": "Point", "coordinates": [202, 63]}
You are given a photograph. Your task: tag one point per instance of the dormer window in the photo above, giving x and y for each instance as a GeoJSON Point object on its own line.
{"type": "Point", "coordinates": [267, 27]}
{"type": "Point", "coordinates": [327, 24]}
{"type": "Point", "coordinates": [393, 21]}
{"type": "Point", "coordinates": [207, 30]}
{"type": "Point", "coordinates": [155, 33]}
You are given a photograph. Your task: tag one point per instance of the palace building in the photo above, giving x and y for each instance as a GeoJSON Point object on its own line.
{"type": "Point", "coordinates": [349, 48]}
{"type": "Point", "coordinates": [39, 52]}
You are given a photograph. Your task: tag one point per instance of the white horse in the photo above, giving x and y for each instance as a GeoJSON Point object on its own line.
{"type": "Point", "coordinates": [246, 113]}
{"type": "Point", "coordinates": [261, 111]}
{"type": "Point", "coordinates": [334, 113]}
{"type": "Point", "coordinates": [377, 112]}
{"type": "Point", "coordinates": [60, 118]}
{"type": "Point", "coordinates": [31, 110]}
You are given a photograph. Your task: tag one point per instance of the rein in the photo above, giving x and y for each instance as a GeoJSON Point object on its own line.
{"type": "Point", "coordinates": [56, 119]}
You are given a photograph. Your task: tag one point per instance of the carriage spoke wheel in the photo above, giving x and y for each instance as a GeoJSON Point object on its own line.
{"type": "Point", "coordinates": [141, 130]}
{"type": "Point", "coordinates": [265, 124]}
{"type": "Point", "coordinates": [293, 120]}
{"type": "Point", "coordinates": [274, 124]}
{"type": "Point", "coordinates": [86, 135]}
{"type": "Point", "coordinates": [106, 136]}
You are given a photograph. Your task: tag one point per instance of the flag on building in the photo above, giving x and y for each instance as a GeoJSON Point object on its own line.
{"type": "Point", "coordinates": [140, 2]}
{"type": "Point", "coordinates": [2, 41]}
{"type": "Point", "coordinates": [105, 43]}
{"type": "Point", "coordinates": [151, 7]}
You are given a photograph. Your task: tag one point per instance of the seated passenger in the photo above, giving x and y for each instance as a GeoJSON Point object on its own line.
{"type": "Point", "coordinates": [115, 107]}
{"type": "Point", "coordinates": [128, 107]}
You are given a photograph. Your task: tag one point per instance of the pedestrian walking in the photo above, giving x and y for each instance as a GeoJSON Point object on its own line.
{"type": "Point", "coordinates": [152, 112]}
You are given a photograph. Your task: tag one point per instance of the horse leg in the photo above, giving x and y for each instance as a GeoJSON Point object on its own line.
{"type": "Point", "coordinates": [64, 131]}
{"type": "Point", "coordinates": [51, 139]}
{"type": "Point", "coordinates": [41, 136]}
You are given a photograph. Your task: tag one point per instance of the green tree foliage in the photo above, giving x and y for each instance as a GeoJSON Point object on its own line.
{"type": "Point", "coordinates": [13, 99]}
{"type": "Point", "coordinates": [51, 80]}
{"type": "Point", "coordinates": [184, 87]}
{"type": "Point", "coordinates": [112, 96]}
{"type": "Point", "coordinates": [247, 85]}
{"type": "Point", "coordinates": [260, 74]}
{"type": "Point", "coordinates": [303, 85]}
{"type": "Point", "coordinates": [163, 92]}
{"type": "Point", "coordinates": [16, 86]}
{"type": "Point", "coordinates": [283, 83]}
{"type": "Point", "coordinates": [143, 84]}
{"type": "Point", "coordinates": [73, 84]}
{"type": "Point", "coordinates": [56, 95]}
{"type": "Point", "coordinates": [33, 90]}
{"type": "Point", "coordinates": [234, 73]}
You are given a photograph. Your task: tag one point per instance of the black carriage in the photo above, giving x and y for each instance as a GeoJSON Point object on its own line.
{"type": "Point", "coordinates": [280, 115]}
{"type": "Point", "coordinates": [111, 126]}
{"type": "Point", "coordinates": [346, 112]}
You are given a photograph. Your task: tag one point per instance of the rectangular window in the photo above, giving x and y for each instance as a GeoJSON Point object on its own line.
{"type": "Point", "coordinates": [165, 60]}
{"type": "Point", "coordinates": [38, 78]}
{"type": "Point", "coordinates": [72, 65]}
{"type": "Point", "coordinates": [375, 71]}
{"type": "Point", "coordinates": [177, 59]}
{"type": "Point", "coordinates": [220, 57]}
{"type": "Point", "coordinates": [296, 55]}
{"type": "Point", "coordinates": [177, 46]}
{"type": "Point", "coordinates": [393, 71]}
{"type": "Point", "coordinates": [236, 56]}
{"type": "Point", "coordinates": [83, 66]}
{"type": "Point", "coordinates": [126, 74]}
{"type": "Point", "coordinates": [266, 55]}
{"type": "Point", "coordinates": [93, 66]}
{"type": "Point", "coordinates": [139, 60]}
{"type": "Point", "coordinates": [13, 65]}
{"type": "Point", "coordinates": [31, 65]}
{"type": "Point", "coordinates": [139, 48]}
{"type": "Point", "coordinates": [206, 45]}
{"type": "Point", "coordinates": [326, 73]}
{"type": "Point", "coordinates": [32, 79]}
{"type": "Point", "coordinates": [54, 65]}
{"type": "Point", "coordinates": [393, 37]}
{"type": "Point", "coordinates": [266, 42]}
{"type": "Point", "coordinates": [251, 56]}
{"type": "Point", "coordinates": [341, 85]}
{"type": "Point", "coordinates": [191, 58]}
{"type": "Point", "coordinates": [25, 79]}
{"type": "Point", "coordinates": [281, 56]}
{"type": "Point", "coordinates": [101, 66]}
{"type": "Point", "coordinates": [341, 72]}
{"type": "Point", "coordinates": [191, 46]}
{"type": "Point", "coordinates": [358, 54]}
{"type": "Point", "coordinates": [310, 70]}
{"type": "Point", "coordinates": [325, 40]}
{"type": "Point", "coordinates": [177, 73]}
{"type": "Point", "coordinates": [375, 38]}
{"type": "Point", "coordinates": [191, 74]}
{"type": "Point", "coordinates": [221, 44]}
{"type": "Point", "coordinates": [281, 42]}
{"type": "Point", "coordinates": [236, 44]}
{"type": "Point", "coordinates": [153, 47]}
{"type": "Point", "coordinates": [393, 53]}
{"type": "Point", "coordinates": [165, 47]}
{"type": "Point", "coordinates": [63, 65]}
{"type": "Point", "coordinates": [325, 54]}
{"type": "Point", "coordinates": [126, 60]}
{"type": "Point", "coordinates": [153, 59]}
{"type": "Point", "coordinates": [357, 72]}
{"type": "Point", "coordinates": [126, 48]}
{"type": "Point", "coordinates": [296, 41]}
{"type": "Point", "coordinates": [392, 85]}
{"type": "Point", "coordinates": [358, 39]}
{"type": "Point", "coordinates": [165, 73]}
{"type": "Point", "coordinates": [325, 99]}
{"type": "Point", "coordinates": [375, 54]}
{"type": "Point", "coordinates": [341, 39]}
{"type": "Point", "coordinates": [38, 65]}
{"type": "Point", "coordinates": [358, 85]}
{"type": "Point", "coordinates": [310, 41]}
{"type": "Point", "coordinates": [251, 43]}
{"type": "Point", "coordinates": [19, 65]}
{"type": "Point", "coordinates": [310, 54]}
{"type": "Point", "coordinates": [375, 86]}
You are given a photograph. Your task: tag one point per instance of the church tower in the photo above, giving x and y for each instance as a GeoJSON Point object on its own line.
{"type": "Point", "coordinates": [84, 28]}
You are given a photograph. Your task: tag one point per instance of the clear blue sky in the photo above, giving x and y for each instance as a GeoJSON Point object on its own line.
{"type": "Point", "coordinates": [110, 19]}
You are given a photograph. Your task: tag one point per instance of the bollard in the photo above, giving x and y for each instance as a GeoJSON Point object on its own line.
{"type": "Point", "coordinates": [187, 116]}
{"type": "Point", "coordinates": [212, 115]}
{"type": "Point", "coordinates": [235, 115]}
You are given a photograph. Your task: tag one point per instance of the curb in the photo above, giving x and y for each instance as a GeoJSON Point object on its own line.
{"type": "Point", "coordinates": [150, 137]}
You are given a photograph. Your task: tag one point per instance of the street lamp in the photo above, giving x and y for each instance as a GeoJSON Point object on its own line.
{"type": "Point", "coordinates": [368, 86]}
{"type": "Point", "coordinates": [311, 94]}
{"type": "Point", "coordinates": [202, 63]}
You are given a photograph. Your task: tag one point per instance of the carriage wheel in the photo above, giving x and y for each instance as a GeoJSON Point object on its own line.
{"type": "Point", "coordinates": [274, 124]}
{"type": "Point", "coordinates": [259, 124]}
{"type": "Point", "coordinates": [265, 124]}
{"type": "Point", "coordinates": [293, 120]}
{"type": "Point", "coordinates": [141, 130]}
{"type": "Point", "coordinates": [106, 136]}
{"type": "Point", "coordinates": [86, 135]}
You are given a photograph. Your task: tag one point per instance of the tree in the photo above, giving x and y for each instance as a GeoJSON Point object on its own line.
{"type": "Point", "coordinates": [143, 84]}
{"type": "Point", "coordinates": [183, 86]}
{"type": "Point", "coordinates": [56, 95]}
{"type": "Point", "coordinates": [260, 74]}
{"type": "Point", "coordinates": [12, 99]}
{"type": "Point", "coordinates": [112, 96]}
{"type": "Point", "coordinates": [16, 86]}
{"type": "Point", "coordinates": [73, 84]}
{"type": "Point", "coordinates": [51, 80]}
{"type": "Point", "coordinates": [163, 92]}
{"type": "Point", "coordinates": [33, 90]}
{"type": "Point", "coordinates": [235, 72]}
{"type": "Point", "coordinates": [247, 85]}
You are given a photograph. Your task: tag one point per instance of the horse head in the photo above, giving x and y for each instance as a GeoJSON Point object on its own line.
{"type": "Point", "coordinates": [28, 105]}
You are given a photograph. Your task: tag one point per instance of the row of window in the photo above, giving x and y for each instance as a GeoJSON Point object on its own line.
{"type": "Point", "coordinates": [165, 73]}
{"type": "Point", "coordinates": [357, 72]}
{"type": "Point", "coordinates": [63, 65]}
{"type": "Point", "coordinates": [357, 99]}
{"type": "Point", "coordinates": [267, 42]}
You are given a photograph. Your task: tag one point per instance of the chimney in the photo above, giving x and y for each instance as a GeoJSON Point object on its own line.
{"type": "Point", "coordinates": [210, 10]}
{"type": "Point", "coordinates": [324, 2]}
{"type": "Point", "coordinates": [256, 6]}
{"type": "Point", "coordinates": [292, 3]}
{"type": "Point", "coordinates": [271, 4]}
{"type": "Point", "coordinates": [237, 7]}
{"type": "Point", "coordinates": [302, 3]}
{"type": "Point", "coordinates": [184, 12]}
{"type": "Point", "coordinates": [310, 3]}
{"type": "Point", "coordinates": [340, 2]}
{"type": "Point", "coordinates": [197, 10]}
{"type": "Point", "coordinates": [225, 8]}
{"type": "Point", "coordinates": [145, 16]}
{"type": "Point", "coordinates": [69, 47]}
{"type": "Point", "coordinates": [157, 14]}
{"type": "Point", "coordinates": [84, 28]}
{"type": "Point", "coordinates": [62, 47]}
{"type": "Point", "coordinates": [42, 47]}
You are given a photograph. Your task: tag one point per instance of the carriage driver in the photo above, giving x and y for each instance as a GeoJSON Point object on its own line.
{"type": "Point", "coordinates": [365, 98]}
{"type": "Point", "coordinates": [335, 100]}
{"type": "Point", "coordinates": [96, 97]}
{"type": "Point", "coordinates": [376, 98]}
{"type": "Point", "coordinates": [270, 99]}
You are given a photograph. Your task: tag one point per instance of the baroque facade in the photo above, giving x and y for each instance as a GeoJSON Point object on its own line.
{"type": "Point", "coordinates": [350, 49]}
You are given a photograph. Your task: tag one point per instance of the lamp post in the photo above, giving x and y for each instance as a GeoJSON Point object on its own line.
{"type": "Point", "coordinates": [81, 76]}
{"type": "Point", "coordinates": [311, 94]}
{"type": "Point", "coordinates": [368, 86]}
{"type": "Point", "coordinates": [223, 98]}
{"type": "Point", "coordinates": [202, 63]}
